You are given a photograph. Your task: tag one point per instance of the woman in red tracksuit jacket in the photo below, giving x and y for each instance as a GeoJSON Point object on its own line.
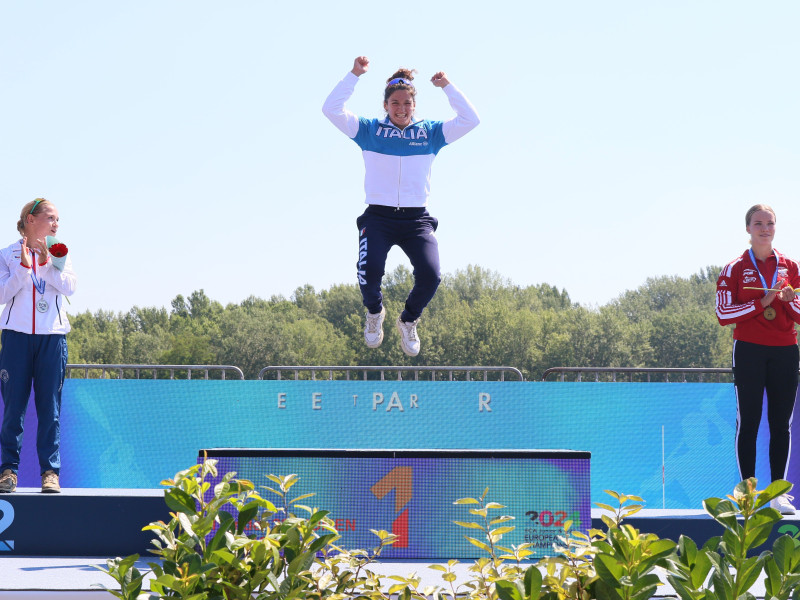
{"type": "Point", "coordinates": [765, 352]}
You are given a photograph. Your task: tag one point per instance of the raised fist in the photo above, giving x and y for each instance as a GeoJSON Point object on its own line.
{"type": "Point", "coordinates": [360, 66]}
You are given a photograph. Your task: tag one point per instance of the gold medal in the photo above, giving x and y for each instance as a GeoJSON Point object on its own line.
{"type": "Point", "coordinates": [770, 313]}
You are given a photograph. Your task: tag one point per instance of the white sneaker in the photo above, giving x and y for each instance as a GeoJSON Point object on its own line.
{"type": "Point", "coordinates": [783, 504]}
{"type": "Point", "coordinates": [409, 340]}
{"type": "Point", "coordinates": [373, 330]}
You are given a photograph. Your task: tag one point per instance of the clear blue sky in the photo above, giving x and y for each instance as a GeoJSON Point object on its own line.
{"type": "Point", "coordinates": [185, 148]}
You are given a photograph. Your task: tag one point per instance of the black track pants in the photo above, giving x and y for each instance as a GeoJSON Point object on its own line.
{"type": "Point", "coordinates": [775, 369]}
{"type": "Point", "coordinates": [380, 228]}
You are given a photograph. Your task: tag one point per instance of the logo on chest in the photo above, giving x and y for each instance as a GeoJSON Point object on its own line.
{"type": "Point", "coordinates": [409, 133]}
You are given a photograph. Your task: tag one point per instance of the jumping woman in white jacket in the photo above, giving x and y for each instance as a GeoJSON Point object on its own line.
{"type": "Point", "coordinates": [398, 151]}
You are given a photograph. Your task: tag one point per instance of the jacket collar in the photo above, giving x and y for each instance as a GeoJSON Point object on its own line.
{"type": "Point", "coordinates": [387, 122]}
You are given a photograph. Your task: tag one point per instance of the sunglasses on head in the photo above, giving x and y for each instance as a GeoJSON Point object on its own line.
{"type": "Point", "coordinates": [397, 80]}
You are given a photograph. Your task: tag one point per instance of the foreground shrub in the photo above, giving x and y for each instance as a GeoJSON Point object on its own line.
{"type": "Point", "coordinates": [234, 544]}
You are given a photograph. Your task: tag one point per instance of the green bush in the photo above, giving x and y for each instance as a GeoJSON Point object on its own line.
{"type": "Point", "coordinates": [270, 553]}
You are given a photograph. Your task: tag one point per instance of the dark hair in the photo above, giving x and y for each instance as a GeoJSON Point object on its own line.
{"type": "Point", "coordinates": [34, 207]}
{"type": "Point", "coordinates": [401, 73]}
{"type": "Point", "coordinates": [754, 209]}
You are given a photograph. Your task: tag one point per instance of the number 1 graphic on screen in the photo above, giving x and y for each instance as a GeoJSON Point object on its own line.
{"type": "Point", "coordinates": [401, 480]}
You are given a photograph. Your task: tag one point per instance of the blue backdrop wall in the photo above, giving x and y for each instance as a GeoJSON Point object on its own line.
{"type": "Point", "coordinates": [134, 433]}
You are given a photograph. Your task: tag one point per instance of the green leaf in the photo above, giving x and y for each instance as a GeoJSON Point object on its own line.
{"type": "Point", "coordinates": [226, 523]}
{"type": "Point", "coordinates": [186, 524]}
{"type": "Point", "coordinates": [246, 515]}
{"type": "Point", "coordinates": [276, 492]}
{"type": "Point", "coordinates": [317, 517]}
{"type": "Point", "coordinates": [609, 569]}
{"type": "Point", "coordinates": [479, 544]}
{"type": "Point", "coordinates": [687, 549]}
{"type": "Point", "coordinates": [503, 519]}
{"type": "Point", "coordinates": [645, 587]}
{"type": "Point", "coordinates": [722, 511]}
{"type": "Point", "coordinates": [603, 591]}
{"type": "Point", "coordinates": [699, 572]}
{"type": "Point", "coordinates": [608, 521]}
{"type": "Point", "coordinates": [273, 581]}
{"type": "Point", "coordinates": [501, 530]}
{"type": "Point", "coordinates": [301, 497]}
{"type": "Point", "coordinates": [301, 563]}
{"type": "Point", "coordinates": [760, 527]}
{"type": "Point", "coordinates": [222, 556]}
{"type": "Point", "coordinates": [749, 572]}
{"type": "Point", "coordinates": [774, 489]}
{"type": "Point", "coordinates": [711, 543]}
{"type": "Point", "coordinates": [661, 548]}
{"type": "Point", "coordinates": [783, 550]}
{"type": "Point", "coordinates": [179, 501]}
{"type": "Point", "coordinates": [468, 525]}
{"type": "Point", "coordinates": [773, 579]}
{"type": "Point", "coordinates": [533, 583]}
{"type": "Point", "coordinates": [631, 510]}
{"type": "Point", "coordinates": [507, 590]}
{"type": "Point", "coordinates": [680, 588]}
{"type": "Point", "coordinates": [321, 542]}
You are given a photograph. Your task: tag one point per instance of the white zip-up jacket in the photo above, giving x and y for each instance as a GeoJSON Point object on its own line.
{"type": "Point", "coordinates": [398, 161]}
{"type": "Point", "coordinates": [19, 294]}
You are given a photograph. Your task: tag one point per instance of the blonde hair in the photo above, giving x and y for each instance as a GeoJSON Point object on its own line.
{"type": "Point", "coordinates": [754, 209]}
{"type": "Point", "coordinates": [34, 207]}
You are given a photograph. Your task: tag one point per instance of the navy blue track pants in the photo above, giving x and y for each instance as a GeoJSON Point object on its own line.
{"type": "Point", "coordinates": [757, 368]}
{"type": "Point", "coordinates": [412, 229]}
{"type": "Point", "coordinates": [41, 360]}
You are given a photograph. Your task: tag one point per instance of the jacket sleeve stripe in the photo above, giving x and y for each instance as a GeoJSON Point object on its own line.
{"type": "Point", "coordinates": [727, 311]}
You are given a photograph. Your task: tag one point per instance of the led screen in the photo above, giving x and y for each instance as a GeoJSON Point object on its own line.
{"type": "Point", "coordinates": [671, 443]}
{"type": "Point", "coordinates": [412, 494]}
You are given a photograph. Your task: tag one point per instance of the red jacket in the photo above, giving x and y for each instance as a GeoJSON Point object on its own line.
{"type": "Point", "coordinates": [741, 307]}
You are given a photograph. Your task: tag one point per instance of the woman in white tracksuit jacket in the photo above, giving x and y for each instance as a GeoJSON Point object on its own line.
{"type": "Point", "coordinates": [34, 345]}
{"type": "Point", "coordinates": [398, 151]}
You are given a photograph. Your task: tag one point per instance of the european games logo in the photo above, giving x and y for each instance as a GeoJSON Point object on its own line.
{"type": "Point", "coordinates": [4, 375]}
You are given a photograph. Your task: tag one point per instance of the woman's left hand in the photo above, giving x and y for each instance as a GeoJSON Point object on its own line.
{"type": "Point", "coordinates": [440, 79]}
{"type": "Point", "coordinates": [786, 294]}
{"type": "Point", "coordinates": [41, 249]}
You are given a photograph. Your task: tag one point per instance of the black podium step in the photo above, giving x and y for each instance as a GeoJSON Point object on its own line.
{"type": "Point", "coordinates": [79, 522]}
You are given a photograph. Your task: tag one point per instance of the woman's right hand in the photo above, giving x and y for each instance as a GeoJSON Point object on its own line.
{"type": "Point", "coordinates": [25, 255]}
{"type": "Point", "coordinates": [360, 66]}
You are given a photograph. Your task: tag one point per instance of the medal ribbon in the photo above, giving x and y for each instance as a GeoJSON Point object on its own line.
{"type": "Point", "coordinates": [764, 281]}
{"type": "Point", "coordinates": [41, 284]}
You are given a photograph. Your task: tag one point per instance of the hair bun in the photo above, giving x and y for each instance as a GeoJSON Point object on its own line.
{"type": "Point", "coordinates": [403, 73]}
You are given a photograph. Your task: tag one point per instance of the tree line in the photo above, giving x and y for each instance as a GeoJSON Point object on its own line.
{"type": "Point", "coordinates": [476, 318]}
